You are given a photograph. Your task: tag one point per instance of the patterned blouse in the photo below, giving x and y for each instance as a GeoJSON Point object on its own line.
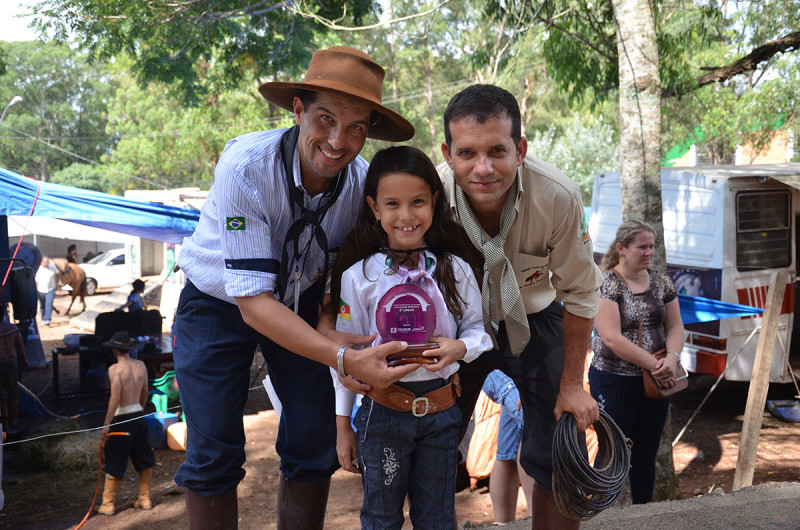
{"type": "Point", "coordinates": [654, 313]}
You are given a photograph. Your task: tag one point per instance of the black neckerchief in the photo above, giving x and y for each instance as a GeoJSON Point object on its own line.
{"type": "Point", "coordinates": [307, 217]}
{"type": "Point", "coordinates": [397, 257]}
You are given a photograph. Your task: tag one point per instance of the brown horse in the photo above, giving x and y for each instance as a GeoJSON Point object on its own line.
{"type": "Point", "coordinates": [73, 275]}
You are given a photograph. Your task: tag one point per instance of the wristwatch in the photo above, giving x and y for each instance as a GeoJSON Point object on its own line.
{"type": "Point", "coordinates": [340, 361]}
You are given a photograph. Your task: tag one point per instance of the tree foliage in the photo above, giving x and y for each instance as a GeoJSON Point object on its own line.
{"type": "Point", "coordinates": [584, 148]}
{"type": "Point", "coordinates": [162, 143]}
{"type": "Point", "coordinates": [557, 56]}
{"type": "Point", "coordinates": [747, 108]}
{"type": "Point", "coordinates": [86, 176]}
{"type": "Point", "coordinates": [197, 46]}
{"type": "Point", "coordinates": [581, 47]}
{"type": "Point", "coordinates": [63, 104]}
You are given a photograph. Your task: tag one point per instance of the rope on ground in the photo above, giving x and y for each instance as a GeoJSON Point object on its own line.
{"type": "Point", "coordinates": [78, 431]}
{"type": "Point", "coordinates": [580, 490]}
{"type": "Point", "coordinates": [39, 401]}
{"type": "Point", "coordinates": [99, 477]}
{"type": "Point", "coordinates": [63, 433]}
{"type": "Point", "coordinates": [47, 385]}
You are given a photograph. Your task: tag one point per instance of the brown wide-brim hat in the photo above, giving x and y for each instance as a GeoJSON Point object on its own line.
{"type": "Point", "coordinates": [351, 73]}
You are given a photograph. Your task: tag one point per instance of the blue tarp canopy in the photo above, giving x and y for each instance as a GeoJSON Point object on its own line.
{"type": "Point", "coordinates": [699, 309]}
{"type": "Point", "coordinates": [144, 219]}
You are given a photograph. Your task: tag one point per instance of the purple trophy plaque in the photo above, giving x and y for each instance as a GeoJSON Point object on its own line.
{"type": "Point", "coordinates": [406, 312]}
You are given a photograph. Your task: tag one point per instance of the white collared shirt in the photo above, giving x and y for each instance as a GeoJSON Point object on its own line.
{"type": "Point", "coordinates": [365, 283]}
{"type": "Point", "coordinates": [250, 188]}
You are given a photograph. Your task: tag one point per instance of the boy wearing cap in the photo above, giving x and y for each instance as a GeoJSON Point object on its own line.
{"type": "Point", "coordinates": [257, 265]}
{"type": "Point", "coordinates": [128, 384]}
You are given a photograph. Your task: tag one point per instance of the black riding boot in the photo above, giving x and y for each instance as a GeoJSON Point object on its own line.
{"type": "Point", "coordinates": [301, 505]}
{"type": "Point", "coordinates": [216, 512]}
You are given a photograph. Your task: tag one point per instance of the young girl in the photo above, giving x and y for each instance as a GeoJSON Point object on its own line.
{"type": "Point", "coordinates": [408, 433]}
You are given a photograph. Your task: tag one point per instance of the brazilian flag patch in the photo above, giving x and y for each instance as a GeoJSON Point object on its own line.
{"type": "Point", "coordinates": [234, 223]}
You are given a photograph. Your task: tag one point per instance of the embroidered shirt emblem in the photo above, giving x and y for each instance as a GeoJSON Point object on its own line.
{"type": "Point", "coordinates": [584, 230]}
{"type": "Point", "coordinates": [234, 223]}
{"type": "Point", "coordinates": [344, 310]}
{"type": "Point", "coordinates": [534, 275]}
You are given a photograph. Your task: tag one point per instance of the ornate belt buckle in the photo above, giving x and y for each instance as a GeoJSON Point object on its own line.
{"type": "Point", "coordinates": [425, 407]}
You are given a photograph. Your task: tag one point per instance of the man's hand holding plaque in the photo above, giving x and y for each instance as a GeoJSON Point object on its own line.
{"type": "Point", "coordinates": [406, 313]}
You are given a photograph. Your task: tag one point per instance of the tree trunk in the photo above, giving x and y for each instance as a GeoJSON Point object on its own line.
{"type": "Point", "coordinates": [640, 157]}
{"type": "Point", "coordinates": [392, 67]}
{"type": "Point", "coordinates": [640, 116]}
{"type": "Point", "coordinates": [431, 105]}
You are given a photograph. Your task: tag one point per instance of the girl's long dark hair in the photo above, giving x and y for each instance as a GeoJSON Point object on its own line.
{"type": "Point", "coordinates": [444, 238]}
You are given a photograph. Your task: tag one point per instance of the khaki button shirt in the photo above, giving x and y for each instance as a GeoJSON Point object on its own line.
{"type": "Point", "coordinates": [549, 245]}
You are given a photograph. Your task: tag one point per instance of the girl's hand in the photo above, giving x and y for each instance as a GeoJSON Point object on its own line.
{"type": "Point", "coordinates": [346, 444]}
{"type": "Point", "coordinates": [354, 385]}
{"type": "Point", "coordinates": [448, 352]}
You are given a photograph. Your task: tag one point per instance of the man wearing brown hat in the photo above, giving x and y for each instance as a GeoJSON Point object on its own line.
{"type": "Point", "coordinates": [257, 265]}
{"type": "Point", "coordinates": [128, 384]}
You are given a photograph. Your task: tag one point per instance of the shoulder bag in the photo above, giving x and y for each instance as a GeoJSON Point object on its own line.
{"type": "Point", "coordinates": [651, 388]}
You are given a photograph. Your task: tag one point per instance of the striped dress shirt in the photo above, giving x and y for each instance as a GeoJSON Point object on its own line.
{"type": "Point", "coordinates": [236, 248]}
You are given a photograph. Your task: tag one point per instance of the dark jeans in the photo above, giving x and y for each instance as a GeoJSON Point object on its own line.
{"type": "Point", "coordinates": [401, 454]}
{"type": "Point", "coordinates": [537, 374]}
{"type": "Point", "coordinates": [213, 351]}
{"type": "Point", "coordinates": [641, 419]}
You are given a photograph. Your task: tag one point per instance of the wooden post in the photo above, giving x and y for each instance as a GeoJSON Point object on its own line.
{"type": "Point", "coordinates": [759, 383]}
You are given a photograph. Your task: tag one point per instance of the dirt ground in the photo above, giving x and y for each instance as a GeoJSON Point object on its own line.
{"type": "Point", "coordinates": [704, 458]}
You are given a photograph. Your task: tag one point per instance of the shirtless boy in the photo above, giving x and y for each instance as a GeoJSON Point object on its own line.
{"type": "Point", "coordinates": [128, 384]}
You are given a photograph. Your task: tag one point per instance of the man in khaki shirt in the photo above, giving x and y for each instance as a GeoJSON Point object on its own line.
{"type": "Point", "coordinates": [527, 217]}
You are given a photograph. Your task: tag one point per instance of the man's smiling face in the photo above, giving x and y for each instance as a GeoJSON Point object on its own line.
{"type": "Point", "coordinates": [333, 130]}
{"type": "Point", "coordinates": [484, 159]}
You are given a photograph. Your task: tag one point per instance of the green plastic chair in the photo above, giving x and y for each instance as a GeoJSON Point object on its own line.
{"type": "Point", "coordinates": [165, 392]}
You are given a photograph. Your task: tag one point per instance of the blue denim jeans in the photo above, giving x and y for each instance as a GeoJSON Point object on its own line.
{"type": "Point", "coordinates": [401, 454]}
{"type": "Point", "coordinates": [641, 419]}
{"type": "Point", "coordinates": [501, 389]}
{"type": "Point", "coordinates": [46, 305]}
{"type": "Point", "coordinates": [213, 350]}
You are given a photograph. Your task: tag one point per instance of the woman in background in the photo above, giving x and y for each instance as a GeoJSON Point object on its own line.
{"type": "Point", "coordinates": [632, 292]}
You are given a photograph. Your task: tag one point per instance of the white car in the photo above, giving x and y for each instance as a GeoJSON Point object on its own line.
{"type": "Point", "coordinates": [107, 270]}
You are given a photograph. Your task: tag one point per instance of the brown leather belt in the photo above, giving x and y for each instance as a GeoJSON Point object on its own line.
{"type": "Point", "coordinates": [398, 398]}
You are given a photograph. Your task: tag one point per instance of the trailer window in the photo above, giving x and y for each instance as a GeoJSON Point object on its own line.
{"type": "Point", "coordinates": [763, 230]}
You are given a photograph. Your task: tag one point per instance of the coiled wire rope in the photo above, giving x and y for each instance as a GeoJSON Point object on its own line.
{"type": "Point", "coordinates": [581, 490]}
